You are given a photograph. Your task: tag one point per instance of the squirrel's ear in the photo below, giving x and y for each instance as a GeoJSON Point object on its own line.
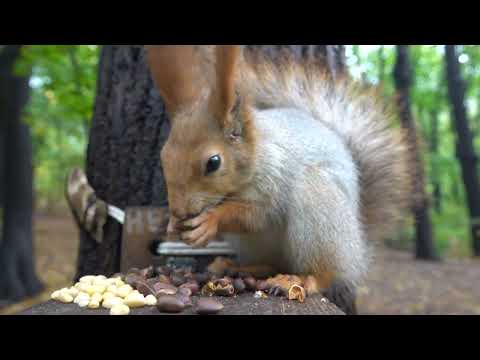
{"type": "Point", "coordinates": [224, 95]}
{"type": "Point", "coordinates": [174, 70]}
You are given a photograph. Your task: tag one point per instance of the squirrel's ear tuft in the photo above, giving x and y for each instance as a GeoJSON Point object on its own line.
{"type": "Point", "coordinates": [224, 97]}
{"type": "Point", "coordinates": [175, 71]}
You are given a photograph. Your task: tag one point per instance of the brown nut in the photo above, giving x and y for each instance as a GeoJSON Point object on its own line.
{"type": "Point", "coordinates": [164, 289]}
{"type": "Point", "coordinates": [263, 285]}
{"type": "Point", "coordinates": [192, 285]}
{"type": "Point", "coordinates": [225, 281]}
{"type": "Point", "coordinates": [239, 285]}
{"type": "Point", "coordinates": [184, 291]}
{"type": "Point", "coordinates": [250, 283]}
{"type": "Point", "coordinates": [208, 306]}
{"type": "Point", "coordinates": [186, 300]}
{"type": "Point", "coordinates": [132, 279]}
{"type": "Point", "coordinates": [170, 304]}
{"type": "Point", "coordinates": [144, 288]}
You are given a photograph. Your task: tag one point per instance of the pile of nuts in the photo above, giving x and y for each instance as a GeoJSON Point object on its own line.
{"type": "Point", "coordinates": [112, 293]}
{"type": "Point", "coordinates": [171, 289]}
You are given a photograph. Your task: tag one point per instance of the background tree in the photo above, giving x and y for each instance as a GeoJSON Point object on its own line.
{"type": "Point", "coordinates": [465, 149]}
{"type": "Point", "coordinates": [17, 277]}
{"type": "Point", "coordinates": [128, 131]}
{"type": "Point", "coordinates": [402, 75]}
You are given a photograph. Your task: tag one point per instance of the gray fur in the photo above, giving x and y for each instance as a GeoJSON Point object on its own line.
{"type": "Point", "coordinates": [330, 174]}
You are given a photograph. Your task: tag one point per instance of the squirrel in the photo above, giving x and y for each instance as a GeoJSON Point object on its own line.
{"type": "Point", "coordinates": [297, 170]}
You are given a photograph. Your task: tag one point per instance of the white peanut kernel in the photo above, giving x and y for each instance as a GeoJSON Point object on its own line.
{"type": "Point", "coordinates": [73, 291]}
{"type": "Point", "coordinates": [83, 302]}
{"type": "Point", "coordinates": [87, 279]}
{"type": "Point", "coordinates": [124, 290]}
{"type": "Point", "coordinates": [65, 297]}
{"type": "Point", "coordinates": [134, 300]}
{"type": "Point", "coordinates": [120, 309]}
{"type": "Point", "coordinates": [107, 295]}
{"type": "Point", "coordinates": [119, 282]}
{"type": "Point", "coordinates": [93, 304]}
{"type": "Point", "coordinates": [151, 300]}
{"type": "Point", "coordinates": [111, 302]}
{"type": "Point", "coordinates": [97, 297]}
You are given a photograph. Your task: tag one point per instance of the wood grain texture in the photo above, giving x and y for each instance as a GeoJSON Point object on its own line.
{"type": "Point", "coordinates": [245, 304]}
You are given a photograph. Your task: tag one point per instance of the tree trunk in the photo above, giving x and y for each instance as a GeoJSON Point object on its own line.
{"type": "Point", "coordinates": [434, 136]}
{"type": "Point", "coordinates": [17, 278]}
{"type": "Point", "coordinates": [381, 64]}
{"type": "Point", "coordinates": [465, 150]}
{"type": "Point", "coordinates": [128, 131]}
{"type": "Point", "coordinates": [402, 74]}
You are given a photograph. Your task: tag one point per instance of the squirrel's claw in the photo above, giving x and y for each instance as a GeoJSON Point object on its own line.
{"type": "Point", "coordinates": [195, 222]}
{"type": "Point", "coordinates": [205, 227]}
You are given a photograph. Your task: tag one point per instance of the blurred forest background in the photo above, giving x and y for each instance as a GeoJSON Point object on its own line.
{"type": "Point", "coordinates": [63, 85]}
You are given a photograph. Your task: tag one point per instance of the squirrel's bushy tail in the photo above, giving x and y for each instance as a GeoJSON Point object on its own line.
{"type": "Point", "coordinates": [359, 117]}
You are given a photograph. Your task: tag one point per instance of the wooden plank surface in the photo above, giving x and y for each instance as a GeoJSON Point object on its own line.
{"type": "Point", "coordinates": [245, 304]}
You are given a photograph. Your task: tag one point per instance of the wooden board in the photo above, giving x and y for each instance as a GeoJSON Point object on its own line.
{"type": "Point", "coordinates": [245, 304]}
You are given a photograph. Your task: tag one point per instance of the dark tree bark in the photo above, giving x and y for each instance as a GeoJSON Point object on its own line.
{"type": "Point", "coordinates": [381, 64]}
{"type": "Point", "coordinates": [465, 150]}
{"type": "Point", "coordinates": [128, 131]}
{"type": "Point", "coordinates": [17, 277]}
{"type": "Point", "coordinates": [437, 190]}
{"type": "Point", "coordinates": [402, 74]}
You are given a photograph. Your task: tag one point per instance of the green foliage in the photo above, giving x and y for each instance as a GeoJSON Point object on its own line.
{"type": "Point", "coordinates": [430, 103]}
{"type": "Point", "coordinates": [63, 86]}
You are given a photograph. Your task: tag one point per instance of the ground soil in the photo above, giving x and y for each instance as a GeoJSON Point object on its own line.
{"type": "Point", "coordinates": [397, 284]}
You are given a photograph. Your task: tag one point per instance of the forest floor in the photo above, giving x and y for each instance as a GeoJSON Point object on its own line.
{"type": "Point", "coordinates": [397, 284]}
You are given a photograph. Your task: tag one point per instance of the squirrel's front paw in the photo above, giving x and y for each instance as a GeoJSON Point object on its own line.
{"type": "Point", "coordinates": [205, 228]}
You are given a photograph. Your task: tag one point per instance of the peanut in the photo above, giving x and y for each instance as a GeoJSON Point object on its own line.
{"type": "Point", "coordinates": [134, 300]}
{"type": "Point", "coordinates": [111, 302]}
{"type": "Point", "coordinates": [92, 289]}
{"type": "Point", "coordinates": [83, 287]}
{"type": "Point", "coordinates": [124, 290]}
{"type": "Point", "coordinates": [87, 279]}
{"type": "Point", "coordinates": [113, 289]}
{"type": "Point", "coordinates": [97, 297]}
{"type": "Point", "coordinates": [55, 295]}
{"type": "Point", "coordinates": [120, 309]}
{"type": "Point", "coordinates": [65, 297]}
{"type": "Point", "coordinates": [73, 291]}
{"type": "Point", "coordinates": [81, 297]}
{"type": "Point", "coordinates": [119, 282]}
{"type": "Point", "coordinates": [107, 295]}
{"type": "Point", "coordinates": [151, 300]}
{"type": "Point", "coordinates": [100, 282]}
{"type": "Point", "coordinates": [83, 302]}
{"type": "Point", "coordinates": [93, 304]}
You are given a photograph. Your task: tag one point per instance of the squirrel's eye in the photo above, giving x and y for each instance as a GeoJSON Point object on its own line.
{"type": "Point", "coordinates": [213, 164]}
